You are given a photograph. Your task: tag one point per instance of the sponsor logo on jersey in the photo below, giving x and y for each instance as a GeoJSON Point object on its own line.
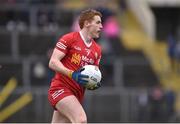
{"type": "Point", "coordinates": [57, 93]}
{"type": "Point", "coordinates": [77, 48]}
{"type": "Point", "coordinates": [88, 60]}
{"type": "Point", "coordinates": [76, 58]}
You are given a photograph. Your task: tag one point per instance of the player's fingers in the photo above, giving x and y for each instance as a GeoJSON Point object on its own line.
{"type": "Point", "coordinates": [83, 81]}
{"type": "Point", "coordinates": [83, 76]}
{"type": "Point", "coordinates": [81, 69]}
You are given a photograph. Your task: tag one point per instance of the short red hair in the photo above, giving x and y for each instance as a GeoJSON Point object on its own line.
{"type": "Point", "coordinates": [87, 15]}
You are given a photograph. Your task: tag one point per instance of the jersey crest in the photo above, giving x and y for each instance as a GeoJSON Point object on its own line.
{"type": "Point", "coordinates": [76, 58]}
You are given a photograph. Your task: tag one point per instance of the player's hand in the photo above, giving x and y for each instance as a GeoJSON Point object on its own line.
{"type": "Point", "coordinates": [80, 78]}
{"type": "Point", "coordinates": [93, 87]}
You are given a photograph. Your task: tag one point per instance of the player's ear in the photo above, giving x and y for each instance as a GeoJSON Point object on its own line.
{"type": "Point", "coordinates": [86, 23]}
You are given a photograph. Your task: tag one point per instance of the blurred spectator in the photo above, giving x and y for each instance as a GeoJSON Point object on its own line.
{"type": "Point", "coordinates": [53, 27]}
{"type": "Point", "coordinates": [170, 98]}
{"type": "Point", "coordinates": [11, 25]}
{"type": "Point", "coordinates": [143, 114]}
{"type": "Point", "coordinates": [171, 50]}
{"type": "Point", "coordinates": [21, 26]}
{"type": "Point", "coordinates": [43, 20]}
{"type": "Point", "coordinates": [111, 27]}
{"type": "Point", "coordinates": [122, 6]}
{"type": "Point", "coordinates": [39, 70]}
{"type": "Point", "coordinates": [15, 20]}
{"type": "Point", "coordinates": [16, 25]}
{"type": "Point", "coordinates": [111, 31]}
{"type": "Point", "coordinates": [47, 22]}
{"type": "Point", "coordinates": [157, 109]}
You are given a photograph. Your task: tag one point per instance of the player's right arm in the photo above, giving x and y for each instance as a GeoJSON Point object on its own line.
{"type": "Point", "coordinates": [56, 64]}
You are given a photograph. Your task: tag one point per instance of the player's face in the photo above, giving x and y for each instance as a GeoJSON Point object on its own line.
{"type": "Point", "coordinates": [95, 27]}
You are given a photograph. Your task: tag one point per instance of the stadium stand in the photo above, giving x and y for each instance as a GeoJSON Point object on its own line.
{"type": "Point", "coordinates": [30, 30]}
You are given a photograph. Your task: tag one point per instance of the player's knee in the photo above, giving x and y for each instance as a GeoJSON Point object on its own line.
{"type": "Point", "coordinates": [81, 119]}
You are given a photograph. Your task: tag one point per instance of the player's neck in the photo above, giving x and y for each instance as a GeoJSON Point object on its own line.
{"type": "Point", "coordinates": [85, 36]}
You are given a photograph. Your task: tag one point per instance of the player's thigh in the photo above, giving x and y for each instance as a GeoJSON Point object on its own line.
{"type": "Point", "coordinates": [59, 118]}
{"type": "Point", "coordinates": [72, 109]}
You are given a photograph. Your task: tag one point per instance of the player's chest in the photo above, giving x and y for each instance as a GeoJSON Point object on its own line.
{"type": "Point", "coordinates": [82, 55]}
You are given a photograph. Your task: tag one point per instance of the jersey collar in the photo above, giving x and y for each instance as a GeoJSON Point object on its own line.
{"type": "Point", "coordinates": [82, 37]}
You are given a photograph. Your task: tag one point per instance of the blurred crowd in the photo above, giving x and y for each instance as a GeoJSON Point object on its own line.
{"type": "Point", "coordinates": [157, 105]}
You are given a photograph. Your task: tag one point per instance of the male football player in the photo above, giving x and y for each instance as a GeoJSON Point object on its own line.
{"type": "Point", "coordinates": [73, 51]}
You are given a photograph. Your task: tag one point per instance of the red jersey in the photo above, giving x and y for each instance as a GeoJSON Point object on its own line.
{"type": "Point", "coordinates": [77, 55]}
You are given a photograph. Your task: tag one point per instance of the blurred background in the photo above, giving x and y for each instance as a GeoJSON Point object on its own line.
{"type": "Point", "coordinates": [140, 63]}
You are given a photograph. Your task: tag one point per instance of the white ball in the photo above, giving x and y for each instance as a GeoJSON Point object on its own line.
{"type": "Point", "coordinates": [94, 75]}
